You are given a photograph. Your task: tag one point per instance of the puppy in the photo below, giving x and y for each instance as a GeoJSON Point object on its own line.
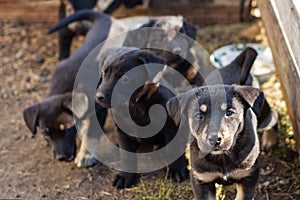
{"type": "Point", "coordinates": [54, 115]}
{"type": "Point", "coordinates": [139, 104]}
{"type": "Point", "coordinates": [171, 38]}
{"type": "Point", "coordinates": [238, 72]}
{"type": "Point", "coordinates": [225, 147]}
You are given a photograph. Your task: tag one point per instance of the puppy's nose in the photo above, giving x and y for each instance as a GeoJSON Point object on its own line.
{"type": "Point", "coordinates": [100, 96]}
{"type": "Point", "coordinates": [60, 157]}
{"type": "Point", "coordinates": [215, 140]}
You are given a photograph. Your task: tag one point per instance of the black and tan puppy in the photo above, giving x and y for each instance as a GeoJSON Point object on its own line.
{"type": "Point", "coordinates": [54, 115]}
{"type": "Point", "coordinates": [225, 147]}
{"type": "Point", "coordinates": [139, 104]}
{"type": "Point", "coordinates": [238, 72]}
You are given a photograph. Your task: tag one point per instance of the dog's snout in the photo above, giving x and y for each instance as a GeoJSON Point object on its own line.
{"type": "Point", "coordinates": [214, 140]}
{"type": "Point", "coordinates": [100, 96]}
{"type": "Point", "coordinates": [62, 157]}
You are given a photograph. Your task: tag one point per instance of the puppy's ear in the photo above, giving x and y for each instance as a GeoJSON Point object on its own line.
{"type": "Point", "coordinates": [189, 30]}
{"type": "Point", "coordinates": [154, 74]}
{"type": "Point", "coordinates": [78, 103]}
{"type": "Point", "coordinates": [245, 60]}
{"type": "Point", "coordinates": [252, 96]}
{"type": "Point", "coordinates": [176, 107]}
{"type": "Point", "coordinates": [30, 115]}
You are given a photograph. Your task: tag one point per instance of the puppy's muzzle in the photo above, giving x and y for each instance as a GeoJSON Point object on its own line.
{"type": "Point", "coordinates": [103, 99]}
{"type": "Point", "coordinates": [63, 157]}
{"type": "Point", "coordinates": [214, 140]}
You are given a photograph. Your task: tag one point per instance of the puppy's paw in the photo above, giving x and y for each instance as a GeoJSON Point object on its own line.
{"type": "Point", "coordinates": [85, 159]}
{"type": "Point", "coordinates": [269, 139]}
{"type": "Point", "coordinates": [179, 175]}
{"type": "Point", "coordinates": [123, 180]}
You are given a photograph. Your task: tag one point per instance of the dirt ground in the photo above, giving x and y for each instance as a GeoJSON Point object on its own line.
{"type": "Point", "coordinates": [27, 168]}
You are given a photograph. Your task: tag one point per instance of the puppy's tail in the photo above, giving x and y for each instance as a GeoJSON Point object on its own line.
{"type": "Point", "coordinates": [78, 16]}
{"type": "Point", "coordinates": [246, 60]}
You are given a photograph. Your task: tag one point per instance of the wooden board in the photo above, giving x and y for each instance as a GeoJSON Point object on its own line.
{"type": "Point", "coordinates": [196, 11]}
{"type": "Point", "coordinates": [282, 22]}
{"type": "Point", "coordinates": [29, 10]}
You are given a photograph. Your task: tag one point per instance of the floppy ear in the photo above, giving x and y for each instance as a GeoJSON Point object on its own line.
{"type": "Point", "coordinates": [78, 103]}
{"type": "Point", "coordinates": [173, 108]}
{"type": "Point", "coordinates": [252, 96]}
{"type": "Point", "coordinates": [30, 115]}
{"type": "Point", "coordinates": [245, 60]}
{"type": "Point", "coordinates": [189, 30]}
{"type": "Point", "coordinates": [154, 74]}
{"type": "Point", "coordinates": [176, 106]}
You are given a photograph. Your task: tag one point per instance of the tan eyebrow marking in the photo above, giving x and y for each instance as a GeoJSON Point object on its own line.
{"type": "Point", "coordinates": [62, 127]}
{"type": "Point", "coordinates": [203, 108]}
{"type": "Point", "coordinates": [223, 106]}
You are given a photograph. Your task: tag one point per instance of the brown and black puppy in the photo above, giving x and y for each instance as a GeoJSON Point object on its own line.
{"type": "Point", "coordinates": [172, 38]}
{"type": "Point", "coordinates": [141, 100]}
{"type": "Point", "coordinates": [225, 147]}
{"type": "Point", "coordinates": [54, 115]}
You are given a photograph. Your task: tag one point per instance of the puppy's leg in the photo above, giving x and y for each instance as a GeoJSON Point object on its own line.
{"type": "Point", "coordinates": [202, 190]}
{"type": "Point", "coordinates": [65, 37]}
{"type": "Point", "coordinates": [178, 169]}
{"type": "Point", "coordinates": [89, 139]}
{"type": "Point", "coordinates": [246, 188]}
{"type": "Point", "coordinates": [129, 162]}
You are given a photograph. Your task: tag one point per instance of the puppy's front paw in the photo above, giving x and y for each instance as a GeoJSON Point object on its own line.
{"type": "Point", "coordinates": [85, 159]}
{"type": "Point", "coordinates": [179, 175]}
{"type": "Point", "coordinates": [123, 180]}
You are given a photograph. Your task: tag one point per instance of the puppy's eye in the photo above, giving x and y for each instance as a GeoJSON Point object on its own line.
{"type": "Point", "coordinates": [125, 79]}
{"type": "Point", "coordinates": [199, 115]}
{"type": "Point", "coordinates": [229, 113]}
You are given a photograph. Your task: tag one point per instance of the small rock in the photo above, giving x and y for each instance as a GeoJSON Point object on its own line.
{"type": "Point", "coordinates": [38, 59]}
{"type": "Point", "coordinates": [15, 92]}
{"type": "Point", "coordinates": [266, 184]}
{"type": "Point", "coordinates": [44, 72]}
{"type": "Point", "coordinates": [19, 55]}
{"type": "Point", "coordinates": [5, 96]}
{"type": "Point", "coordinates": [18, 196]}
{"type": "Point", "coordinates": [27, 79]}
{"type": "Point", "coordinates": [44, 196]}
{"type": "Point", "coordinates": [44, 79]}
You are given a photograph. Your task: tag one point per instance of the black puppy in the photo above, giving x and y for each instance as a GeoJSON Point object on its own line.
{"type": "Point", "coordinates": [54, 115]}
{"type": "Point", "coordinates": [142, 99]}
{"type": "Point", "coordinates": [225, 148]}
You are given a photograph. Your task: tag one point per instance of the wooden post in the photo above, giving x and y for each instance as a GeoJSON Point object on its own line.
{"type": "Point", "coordinates": [282, 22]}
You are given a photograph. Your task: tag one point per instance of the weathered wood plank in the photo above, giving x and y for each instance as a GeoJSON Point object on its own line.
{"type": "Point", "coordinates": [218, 11]}
{"type": "Point", "coordinates": [282, 25]}
{"type": "Point", "coordinates": [204, 14]}
{"type": "Point", "coordinates": [29, 11]}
